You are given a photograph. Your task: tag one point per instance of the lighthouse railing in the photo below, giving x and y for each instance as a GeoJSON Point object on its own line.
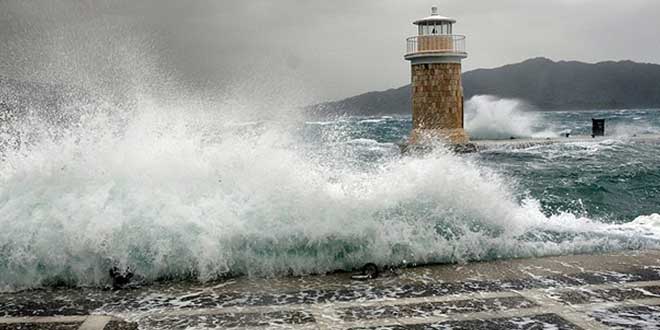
{"type": "Point", "coordinates": [436, 44]}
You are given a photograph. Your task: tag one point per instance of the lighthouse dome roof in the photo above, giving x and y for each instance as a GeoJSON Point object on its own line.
{"type": "Point", "coordinates": [434, 18]}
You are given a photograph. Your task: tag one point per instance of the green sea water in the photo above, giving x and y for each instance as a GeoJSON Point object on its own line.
{"type": "Point", "coordinates": [613, 180]}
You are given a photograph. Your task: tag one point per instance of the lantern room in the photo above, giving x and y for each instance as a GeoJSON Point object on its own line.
{"type": "Point", "coordinates": [435, 40]}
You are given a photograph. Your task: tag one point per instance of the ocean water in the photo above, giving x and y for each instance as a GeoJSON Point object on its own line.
{"type": "Point", "coordinates": [195, 195]}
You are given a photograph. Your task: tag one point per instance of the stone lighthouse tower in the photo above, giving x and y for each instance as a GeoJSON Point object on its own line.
{"type": "Point", "coordinates": [435, 55]}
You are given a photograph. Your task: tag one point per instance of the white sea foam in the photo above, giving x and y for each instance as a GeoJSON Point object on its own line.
{"type": "Point", "coordinates": [322, 123]}
{"type": "Point", "coordinates": [177, 193]}
{"type": "Point", "coordinates": [372, 121]}
{"type": "Point", "coordinates": [629, 129]}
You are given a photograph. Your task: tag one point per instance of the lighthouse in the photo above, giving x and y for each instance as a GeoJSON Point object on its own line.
{"type": "Point", "coordinates": [435, 55]}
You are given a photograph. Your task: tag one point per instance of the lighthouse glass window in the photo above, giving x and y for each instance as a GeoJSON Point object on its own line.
{"type": "Point", "coordinates": [435, 28]}
{"type": "Point", "coordinates": [427, 29]}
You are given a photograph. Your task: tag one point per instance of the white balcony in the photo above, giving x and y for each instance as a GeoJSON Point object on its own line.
{"type": "Point", "coordinates": [441, 45]}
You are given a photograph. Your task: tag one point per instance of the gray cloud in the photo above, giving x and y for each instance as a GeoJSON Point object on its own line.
{"type": "Point", "coordinates": [324, 49]}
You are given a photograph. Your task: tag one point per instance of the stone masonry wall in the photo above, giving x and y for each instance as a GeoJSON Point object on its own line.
{"type": "Point", "coordinates": [437, 96]}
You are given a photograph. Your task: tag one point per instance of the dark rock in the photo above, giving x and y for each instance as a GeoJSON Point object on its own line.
{"type": "Point", "coordinates": [120, 278]}
{"type": "Point", "coordinates": [368, 272]}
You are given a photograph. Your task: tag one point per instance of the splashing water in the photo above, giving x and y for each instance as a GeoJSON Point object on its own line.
{"type": "Point", "coordinates": [190, 194]}
{"type": "Point", "coordinates": [489, 117]}
{"type": "Point", "coordinates": [175, 188]}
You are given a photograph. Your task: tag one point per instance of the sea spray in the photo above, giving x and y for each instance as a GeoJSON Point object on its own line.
{"type": "Point", "coordinates": [127, 168]}
{"type": "Point", "coordinates": [490, 117]}
{"type": "Point", "coordinates": [168, 195]}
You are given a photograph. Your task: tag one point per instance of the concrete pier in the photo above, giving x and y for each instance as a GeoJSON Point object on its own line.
{"type": "Point", "coordinates": [614, 290]}
{"type": "Point", "coordinates": [482, 145]}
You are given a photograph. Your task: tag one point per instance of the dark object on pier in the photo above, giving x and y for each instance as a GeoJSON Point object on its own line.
{"type": "Point", "coordinates": [597, 127]}
{"type": "Point", "coordinates": [368, 272]}
{"type": "Point", "coordinates": [120, 278]}
{"type": "Point", "coordinates": [567, 135]}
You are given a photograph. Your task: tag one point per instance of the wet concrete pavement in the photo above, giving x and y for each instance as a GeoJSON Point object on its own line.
{"type": "Point", "coordinates": [608, 291]}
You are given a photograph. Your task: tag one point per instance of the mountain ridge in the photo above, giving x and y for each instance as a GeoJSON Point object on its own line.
{"type": "Point", "coordinates": [541, 82]}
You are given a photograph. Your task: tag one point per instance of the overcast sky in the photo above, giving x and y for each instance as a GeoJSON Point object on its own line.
{"type": "Point", "coordinates": [331, 49]}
